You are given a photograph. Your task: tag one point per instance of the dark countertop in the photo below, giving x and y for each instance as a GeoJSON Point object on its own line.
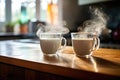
{"type": "Point", "coordinates": [10, 36]}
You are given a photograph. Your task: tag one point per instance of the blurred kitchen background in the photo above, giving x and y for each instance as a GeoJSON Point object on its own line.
{"type": "Point", "coordinates": [19, 18]}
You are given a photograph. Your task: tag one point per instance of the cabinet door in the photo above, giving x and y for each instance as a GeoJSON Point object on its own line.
{"type": "Point", "coordinates": [9, 72]}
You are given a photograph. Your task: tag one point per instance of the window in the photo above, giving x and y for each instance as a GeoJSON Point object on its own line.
{"type": "Point", "coordinates": [13, 10]}
{"type": "Point", "coordinates": [2, 10]}
{"type": "Point", "coordinates": [25, 10]}
{"type": "Point", "coordinates": [43, 10]}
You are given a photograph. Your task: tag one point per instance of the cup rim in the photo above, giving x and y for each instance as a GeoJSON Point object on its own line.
{"type": "Point", "coordinates": [82, 32]}
{"type": "Point", "coordinates": [50, 33]}
{"type": "Point", "coordinates": [93, 33]}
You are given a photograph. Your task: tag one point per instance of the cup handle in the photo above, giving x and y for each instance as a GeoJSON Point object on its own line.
{"type": "Point", "coordinates": [64, 43]}
{"type": "Point", "coordinates": [96, 44]}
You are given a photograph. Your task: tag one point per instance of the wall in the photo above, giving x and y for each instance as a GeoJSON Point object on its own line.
{"type": "Point", "coordinates": [74, 14]}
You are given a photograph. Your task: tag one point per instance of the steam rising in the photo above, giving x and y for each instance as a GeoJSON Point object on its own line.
{"type": "Point", "coordinates": [97, 23]}
{"type": "Point", "coordinates": [58, 28]}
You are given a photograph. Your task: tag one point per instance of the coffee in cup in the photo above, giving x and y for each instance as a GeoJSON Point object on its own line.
{"type": "Point", "coordinates": [84, 43]}
{"type": "Point", "coordinates": [50, 43]}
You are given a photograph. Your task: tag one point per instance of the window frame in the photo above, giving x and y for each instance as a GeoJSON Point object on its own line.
{"type": "Point", "coordinates": [7, 10]}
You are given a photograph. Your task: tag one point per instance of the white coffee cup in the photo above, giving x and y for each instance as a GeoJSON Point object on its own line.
{"type": "Point", "coordinates": [50, 43]}
{"type": "Point", "coordinates": [84, 43]}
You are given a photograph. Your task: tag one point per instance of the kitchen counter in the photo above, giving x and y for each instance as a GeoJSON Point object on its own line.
{"type": "Point", "coordinates": [11, 36]}
{"type": "Point", "coordinates": [29, 61]}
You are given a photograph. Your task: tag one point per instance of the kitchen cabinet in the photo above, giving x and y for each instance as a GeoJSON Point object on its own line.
{"type": "Point", "coordinates": [12, 72]}
{"type": "Point", "coordinates": [9, 72]}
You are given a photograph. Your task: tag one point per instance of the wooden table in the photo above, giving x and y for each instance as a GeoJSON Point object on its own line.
{"type": "Point", "coordinates": [25, 61]}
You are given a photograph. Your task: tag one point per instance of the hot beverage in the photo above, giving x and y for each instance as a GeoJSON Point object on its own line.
{"type": "Point", "coordinates": [50, 45]}
{"type": "Point", "coordinates": [82, 46]}
{"type": "Point", "coordinates": [84, 43]}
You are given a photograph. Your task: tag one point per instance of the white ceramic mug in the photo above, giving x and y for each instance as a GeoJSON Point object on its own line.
{"type": "Point", "coordinates": [50, 43]}
{"type": "Point", "coordinates": [84, 43]}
